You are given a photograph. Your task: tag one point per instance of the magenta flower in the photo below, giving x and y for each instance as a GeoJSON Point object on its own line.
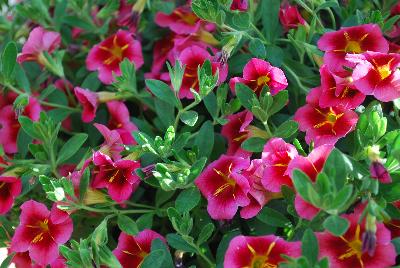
{"type": "Point", "coordinates": [193, 57]}
{"type": "Point", "coordinates": [240, 5]}
{"type": "Point", "coordinates": [10, 188]}
{"type": "Point", "coordinates": [236, 132]}
{"type": "Point", "coordinates": [39, 41]}
{"type": "Point", "coordinates": [89, 101]}
{"type": "Point", "coordinates": [120, 121]}
{"type": "Point", "coordinates": [276, 157]}
{"type": "Point", "coordinates": [23, 260]}
{"type": "Point", "coordinates": [182, 21]}
{"type": "Point", "coordinates": [132, 250]}
{"type": "Point", "coordinates": [324, 125]}
{"type": "Point", "coordinates": [338, 91]}
{"type": "Point", "coordinates": [310, 165]}
{"type": "Point", "coordinates": [353, 40]}
{"type": "Point", "coordinates": [379, 172]}
{"type": "Point", "coordinates": [118, 177]}
{"type": "Point", "coordinates": [41, 232]}
{"type": "Point", "coordinates": [259, 251]}
{"type": "Point", "coordinates": [258, 195]}
{"type": "Point", "coordinates": [346, 251]}
{"type": "Point", "coordinates": [290, 17]}
{"type": "Point", "coordinates": [377, 74]}
{"type": "Point", "coordinates": [224, 187]}
{"type": "Point", "coordinates": [113, 144]}
{"type": "Point", "coordinates": [258, 73]}
{"type": "Point", "coordinates": [106, 56]}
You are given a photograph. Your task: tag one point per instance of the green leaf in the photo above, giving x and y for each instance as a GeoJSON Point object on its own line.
{"type": "Point", "coordinates": [245, 95]}
{"type": "Point", "coordinates": [189, 118]}
{"type": "Point", "coordinates": [7, 261]}
{"type": "Point", "coordinates": [158, 244]}
{"type": "Point", "coordinates": [71, 147]}
{"type": "Point", "coordinates": [336, 225]}
{"type": "Point", "coordinates": [9, 60]}
{"type": "Point", "coordinates": [253, 144]}
{"type": "Point", "coordinates": [154, 260]}
{"type": "Point", "coordinates": [241, 20]}
{"type": "Point", "coordinates": [280, 100]}
{"type": "Point", "coordinates": [205, 233]}
{"type": "Point", "coordinates": [272, 217]}
{"type": "Point", "coordinates": [337, 167]}
{"type": "Point", "coordinates": [302, 182]}
{"type": "Point", "coordinates": [275, 55]}
{"type": "Point", "coordinates": [108, 9]}
{"type": "Point", "coordinates": [127, 225]}
{"type": "Point", "coordinates": [205, 139]}
{"type": "Point", "coordinates": [257, 48]}
{"type": "Point", "coordinates": [342, 198]}
{"type": "Point", "coordinates": [145, 222]}
{"type": "Point", "coordinates": [84, 184]}
{"type": "Point", "coordinates": [210, 101]}
{"type": "Point", "coordinates": [177, 242]}
{"type": "Point", "coordinates": [108, 258]}
{"type": "Point", "coordinates": [287, 129]}
{"type": "Point", "coordinates": [100, 235]}
{"type": "Point", "coordinates": [206, 9]}
{"type": "Point", "coordinates": [270, 20]}
{"type": "Point", "coordinates": [163, 92]}
{"type": "Point", "coordinates": [27, 126]}
{"type": "Point", "coordinates": [187, 200]}
{"type": "Point", "coordinates": [309, 247]}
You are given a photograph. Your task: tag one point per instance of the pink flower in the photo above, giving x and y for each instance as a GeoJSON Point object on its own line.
{"type": "Point", "coordinates": [324, 125]}
{"type": "Point", "coordinates": [9, 125]}
{"type": "Point", "coordinates": [23, 260]}
{"type": "Point", "coordinates": [113, 144]}
{"type": "Point", "coordinates": [290, 17]}
{"type": "Point", "coordinates": [377, 74]}
{"type": "Point", "coordinates": [235, 131]}
{"type": "Point", "coordinates": [346, 251]}
{"type": "Point", "coordinates": [106, 56]}
{"type": "Point", "coordinates": [39, 41]}
{"type": "Point", "coordinates": [224, 187]}
{"type": "Point", "coordinates": [89, 101]}
{"type": "Point", "coordinates": [118, 177]}
{"type": "Point", "coordinates": [258, 195]}
{"type": "Point", "coordinates": [10, 188]}
{"type": "Point", "coordinates": [310, 165]}
{"type": "Point", "coordinates": [259, 251]}
{"type": "Point", "coordinates": [258, 73]}
{"type": "Point", "coordinates": [354, 40]}
{"type": "Point", "coordinates": [240, 5]}
{"type": "Point", "coordinates": [41, 232]}
{"type": "Point", "coordinates": [338, 91]}
{"type": "Point", "coordinates": [120, 121]}
{"type": "Point", "coordinates": [379, 172]}
{"type": "Point", "coordinates": [182, 21]}
{"type": "Point", "coordinates": [276, 157]}
{"type": "Point", "coordinates": [193, 57]}
{"type": "Point", "coordinates": [127, 16]}
{"type": "Point", "coordinates": [132, 250]}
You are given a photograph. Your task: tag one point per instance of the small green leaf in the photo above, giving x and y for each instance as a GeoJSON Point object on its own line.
{"type": "Point", "coordinates": [127, 225]}
{"type": "Point", "coordinates": [272, 217]}
{"type": "Point", "coordinates": [336, 225]}
{"type": "Point", "coordinates": [177, 242]}
{"type": "Point", "coordinates": [189, 118]}
{"type": "Point", "coordinates": [280, 100]}
{"type": "Point", "coordinates": [205, 139]}
{"type": "Point", "coordinates": [257, 48]}
{"type": "Point", "coordinates": [301, 183]}
{"type": "Point", "coordinates": [9, 60]}
{"type": "Point", "coordinates": [205, 233]}
{"type": "Point", "coordinates": [246, 95]}
{"type": "Point", "coordinates": [7, 261]}
{"type": "Point", "coordinates": [163, 92]}
{"type": "Point", "coordinates": [187, 200]}
{"type": "Point", "coordinates": [154, 260]}
{"type": "Point", "coordinates": [287, 129]}
{"type": "Point", "coordinates": [71, 147]}
{"type": "Point", "coordinates": [309, 246]}
{"type": "Point", "coordinates": [253, 144]}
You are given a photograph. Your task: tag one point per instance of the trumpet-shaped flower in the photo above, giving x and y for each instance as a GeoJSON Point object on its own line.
{"type": "Point", "coordinates": [10, 188]}
{"type": "Point", "coordinates": [41, 232]}
{"type": "Point", "coordinates": [89, 101]}
{"type": "Point", "coordinates": [324, 125]}
{"type": "Point", "coordinates": [258, 73]}
{"type": "Point", "coordinates": [240, 5]}
{"type": "Point", "coordinates": [120, 121]}
{"type": "Point", "coordinates": [106, 56]}
{"type": "Point", "coordinates": [290, 17]}
{"type": "Point", "coordinates": [224, 187]}
{"type": "Point", "coordinates": [350, 40]}
{"type": "Point", "coordinates": [276, 157]}
{"type": "Point", "coordinates": [259, 251]}
{"type": "Point", "coordinates": [132, 250]}
{"type": "Point", "coordinates": [377, 74]}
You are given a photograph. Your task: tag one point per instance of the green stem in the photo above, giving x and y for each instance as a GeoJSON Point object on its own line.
{"type": "Point", "coordinates": [139, 205]}
{"type": "Point", "coordinates": [55, 105]}
{"type": "Point", "coordinates": [114, 210]}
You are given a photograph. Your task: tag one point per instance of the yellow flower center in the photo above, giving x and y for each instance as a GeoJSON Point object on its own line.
{"type": "Point", "coordinates": [261, 261]}
{"type": "Point", "coordinates": [384, 71]}
{"type": "Point", "coordinates": [44, 228]}
{"type": "Point", "coordinates": [116, 51]}
{"type": "Point", "coordinates": [354, 247]}
{"type": "Point", "coordinates": [263, 80]}
{"type": "Point", "coordinates": [353, 46]}
{"type": "Point", "coordinates": [229, 182]}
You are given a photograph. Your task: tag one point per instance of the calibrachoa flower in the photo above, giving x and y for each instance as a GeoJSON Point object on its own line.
{"type": "Point", "coordinates": [23, 260]}
{"type": "Point", "coordinates": [10, 188]}
{"type": "Point", "coordinates": [276, 157]}
{"type": "Point", "coordinates": [106, 56]}
{"type": "Point", "coordinates": [324, 125]}
{"type": "Point", "coordinates": [194, 57]}
{"type": "Point", "coordinates": [89, 101]}
{"type": "Point", "coordinates": [352, 40]}
{"type": "Point", "coordinates": [132, 250]}
{"type": "Point", "coordinates": [113, 144]}
{"type": "Point", "coordinates": [39, 41]}
{"type": "Point", "coordinates": [346, 250]}
{"type": "Point", "coordinates": [258, 73]}
{"type": "Point", "coordinates": [120, 121]}
{"type": "Point", "coordinates": [377, 74]}
{"type": "Point", "coordinates": [259, 251]}
{"type": "Point", "coordinates": [224, 187]}
{"type": "Point", "coordinates": [290, 17]}
{"type": "Point", "coordinates": [338, 91]}
{"type": "Point", "coordinates": [41, 232]}
{"type": "Point", "coordinates": [379, 172]}
{"type": "Point", "coordinates": [240, 5]}
{"type": "Point", "coordinates": [236, 132]}
{"type": "Point", "coordinates": [118, 177]}
{"type": "Point", "coordinates": [310, 165]}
